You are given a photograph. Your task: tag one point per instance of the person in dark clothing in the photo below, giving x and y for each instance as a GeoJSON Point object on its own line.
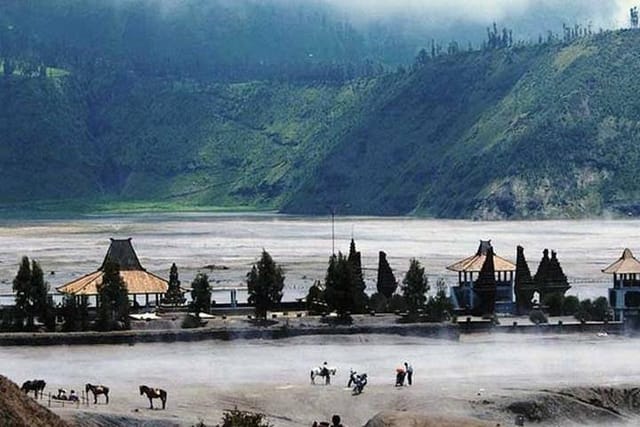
{"type": "Point", "coordinates": [325, 370]}
{"type": "Point", "coordinates": [400, 374]}
{"type": "Point", "coordinates": [335, 421]}
{"type": "Point", "coordinates": [409, 370]}
{"type": "Point", "coordinates": [352, 378]}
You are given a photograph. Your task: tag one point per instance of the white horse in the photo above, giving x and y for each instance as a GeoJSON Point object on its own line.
{"type": "Point", "coordinates": [318, 372]}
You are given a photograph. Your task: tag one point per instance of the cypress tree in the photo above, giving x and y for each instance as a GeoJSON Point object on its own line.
{"type": "Point", "coordinates": [174, 295]}
{"type": "Point", "coordinates": [524, 284]}
{"type": "Point", "coordinates": [485, 286]}
{"type": "Point", "coordinates": [359, 287]}
{"type": "Point", "coordinates": [387, 283]}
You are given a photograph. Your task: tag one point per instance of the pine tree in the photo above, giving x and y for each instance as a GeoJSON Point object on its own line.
{"type": "Point", "coordinates": [200, 294]}
{"type": "Point", "coordinates": [42, 305]}
{"type": "Point", "coordinates": [265, 282]}
{"type": "Point", "coordinates": [21, 286]}
{"type": "Point", "coordinates": [75, 313]}
{"type": "Point", "coordinates": [415, 287]}
{"type": "Point", "coordinates": [113, 309]}
{"type": "Point", "coordinates": [31, 298]}
{"type": "Point", "coordinates": [338, 285]}
{"type": "Point", "coordinates": [315, 299]}
{"type": "Point", "coordinates": [344, 292]}
{"type": "Point", "coordinates": [439, 307]}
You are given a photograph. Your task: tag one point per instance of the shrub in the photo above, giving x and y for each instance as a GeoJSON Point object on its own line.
{"type": "Point", "coordinates": [571, 305]}
{"type": "Point", "coordinates": [584, 311]}
{"type": "Point", "coordinates": [439, 308]}
{"type": "Point", "coordinates": [538, 317]}
{"type": "Point", "coordinates": [554, 303]}
{"type": "Point", "coordinates": [190, 322]}
{"type": "Point", "coordinates": [600, 310]}
{"type": "Point", "coordinates": [237, 418]}
{"type": "Point", "coordinates": [397, 303]}
{"type": "Point", "coordinates": [378, 303]}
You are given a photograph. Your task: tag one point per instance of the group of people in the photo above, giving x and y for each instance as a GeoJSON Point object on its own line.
{"type": "Point", "coordinates": [62, 395]}
{"type": "Point", "coordinates": [402, 372]}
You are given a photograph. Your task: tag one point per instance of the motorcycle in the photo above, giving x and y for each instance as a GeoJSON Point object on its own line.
{"type": "Point", "coordinates": [359, 382]}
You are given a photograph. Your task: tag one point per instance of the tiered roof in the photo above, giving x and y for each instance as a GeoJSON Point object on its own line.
{"type": "Point", "coordinates": [626, 264]}
{"type": "Point", "coordinates": [550, 275]}
{"type": "Point", "coordinates": [137, 279]}
{"type": "Point", "coordinates": [475, 262]}
{"type": "Point", "coordinates": [523, 274]}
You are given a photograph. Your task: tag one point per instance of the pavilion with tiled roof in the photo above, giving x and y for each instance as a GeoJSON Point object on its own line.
{"type": "Point", "coordinates": [138, 280]}
{"type": "Point", "coordinates": [624, 297]}
{"type": "Point", "coordinates": [467, 297]}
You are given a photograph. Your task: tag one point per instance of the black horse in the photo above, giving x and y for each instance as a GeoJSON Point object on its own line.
{"type": "Point", "coordinates": [37, 386]}
{"type": "Point", "coordinates": [154, 393]}
{"type": "Point", "coordinates": [96, 390]}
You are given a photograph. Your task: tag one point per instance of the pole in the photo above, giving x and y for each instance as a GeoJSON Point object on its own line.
{"type": "Point", "coordinates": [333, 232]}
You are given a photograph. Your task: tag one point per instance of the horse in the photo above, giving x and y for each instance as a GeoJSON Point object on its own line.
{"type": "Point", "coordinates": [319, 372]}
{"type": "Point", "coordinates": [154, 393]}
{"type": "Point", "coordinates": [96, 390]}
{"type": "Point", "coordinates": [35, 386]}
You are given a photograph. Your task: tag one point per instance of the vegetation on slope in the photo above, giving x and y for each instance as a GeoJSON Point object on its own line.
{"type": "Point", "coordinates": [509, 131]}
{"type": "Point", "coordinates": [544, 131]}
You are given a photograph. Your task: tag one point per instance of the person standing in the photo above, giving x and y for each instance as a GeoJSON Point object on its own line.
{"type": "Point", "coordinates": [409, 370]}
{"type": "Point", "coordinates": [335, 421]}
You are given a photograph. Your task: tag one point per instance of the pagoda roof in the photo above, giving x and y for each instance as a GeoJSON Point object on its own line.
{"type": "Point", "coordinates": [121, 252]}
{"type": "Point", "coordinates": [135, 277]}
{"type": "Point", "coordinates": [475, 262]}
{"type": "Point", "coordinates": [137, 281]}
{"type": "Point", "coordinates": [626, 264]}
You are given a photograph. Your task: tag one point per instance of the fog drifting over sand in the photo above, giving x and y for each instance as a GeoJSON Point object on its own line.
{"type": "Point", "coordinates": [273, 376]}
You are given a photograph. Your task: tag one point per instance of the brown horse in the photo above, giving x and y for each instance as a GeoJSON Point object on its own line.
{"type": "Point", "coordinates": [37, 386]}
{"type": "Point", "coordinates": [96, 390]}
{"type": "Point", "coordinates": [154, 393]}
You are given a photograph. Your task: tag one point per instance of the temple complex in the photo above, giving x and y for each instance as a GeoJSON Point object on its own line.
{"type": "Point", "coordinates": [139, 282]}
{"type": "Point", "coordinates": [624, 297]}
{"type": "Point", "coordinates": [485, 282]}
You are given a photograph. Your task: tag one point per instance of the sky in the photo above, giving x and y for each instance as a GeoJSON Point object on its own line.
{"type": "Point", "coordinates": [605, 12]}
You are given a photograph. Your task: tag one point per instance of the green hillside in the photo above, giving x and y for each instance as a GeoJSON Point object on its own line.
{"type": "Point", "coordinates": [538, 130]}
{"type": "Point", "coordinates": [546, 131]}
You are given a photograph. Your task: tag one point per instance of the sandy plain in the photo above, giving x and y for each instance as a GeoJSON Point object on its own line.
{"type": "Point", "coordinates": [478, 376]}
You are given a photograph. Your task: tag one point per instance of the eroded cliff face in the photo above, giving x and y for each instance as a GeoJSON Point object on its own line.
{"type": "Point", "coordinates": [19, 410]}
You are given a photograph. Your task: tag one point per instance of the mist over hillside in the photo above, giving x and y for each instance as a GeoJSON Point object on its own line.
{"type": "Point", "coordinates": [419, 107]}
